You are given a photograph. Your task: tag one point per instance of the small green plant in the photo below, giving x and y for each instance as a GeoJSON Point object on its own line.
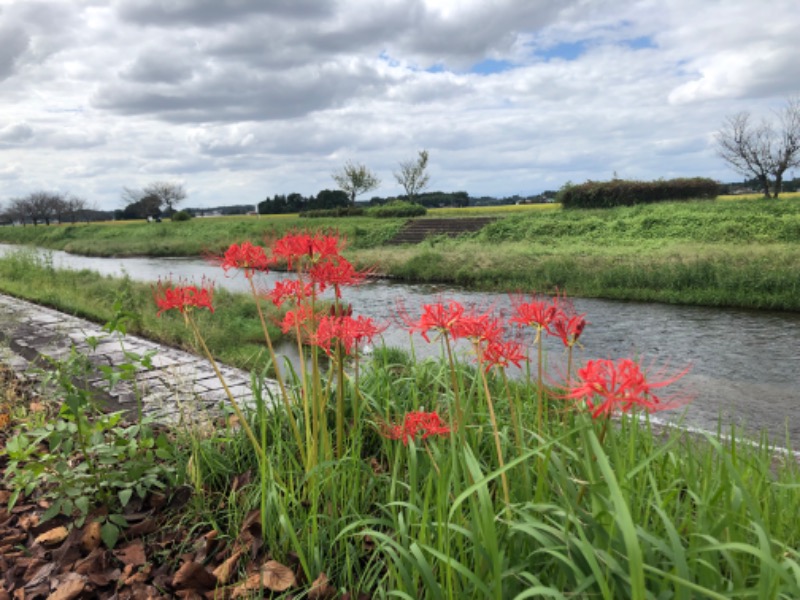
{"type": "Point", "coordinates": [84, 458]}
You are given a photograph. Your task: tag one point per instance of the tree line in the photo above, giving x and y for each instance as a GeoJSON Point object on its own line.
{"type": "Point", "coordinates": [44, 207]}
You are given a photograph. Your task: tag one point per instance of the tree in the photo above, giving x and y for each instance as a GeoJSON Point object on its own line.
{"type": "Point", "coordinates": [327, 199]}
{"type": "Point", "coordinates": [761, 151]}
{"type": "Point", "coordinates": [169, 194]}
{"type": "Point", "coordinates": [412, 175]}
{"type": "Point", "coordinates": [354, 179]}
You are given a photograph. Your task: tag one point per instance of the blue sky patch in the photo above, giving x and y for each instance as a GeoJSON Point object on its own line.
{"type": "Point", "coordinates": [490, 66]}
{"type": "Point", "coordinates": [564, 51]}
{"type": "Point", "coordinates": [640, 43]}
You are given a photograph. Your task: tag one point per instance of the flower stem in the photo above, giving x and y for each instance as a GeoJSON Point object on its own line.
{"type": "Point", "coordinates": [234, 404]}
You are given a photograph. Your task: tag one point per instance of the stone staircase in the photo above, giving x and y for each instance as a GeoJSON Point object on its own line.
{"type": "Point", "coordinates": [416, 230]}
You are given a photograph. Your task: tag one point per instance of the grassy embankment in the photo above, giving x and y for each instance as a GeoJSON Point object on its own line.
{"type": "Point", "coordinates": [730, 252]}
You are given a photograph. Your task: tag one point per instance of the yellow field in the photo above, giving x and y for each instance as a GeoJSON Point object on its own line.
{"type": "Point", "coordinates": [782, 196]}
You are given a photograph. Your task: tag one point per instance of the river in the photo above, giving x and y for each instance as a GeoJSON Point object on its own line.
{"type": "Point", "coordinates": [745, 365]}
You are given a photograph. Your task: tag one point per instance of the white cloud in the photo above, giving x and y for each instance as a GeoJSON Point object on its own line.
{"type": "Point", "coordinates": [240, 99]}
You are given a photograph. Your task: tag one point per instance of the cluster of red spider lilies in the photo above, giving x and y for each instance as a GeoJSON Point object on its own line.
{"type": "Point", "coordinates": [603, 386]}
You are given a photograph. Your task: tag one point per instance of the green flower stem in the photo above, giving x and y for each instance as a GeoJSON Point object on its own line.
{"type": "Point", "coordinates": [276, 366]}
{"type": "Point", "coordinates": [234, 404]}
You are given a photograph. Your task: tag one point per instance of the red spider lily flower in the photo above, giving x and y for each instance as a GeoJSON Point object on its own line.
{"type": "Point", "coordinates": [437, 317]}
{"type": "Point", "coordinates": [538, 313]}
{"type": "Point", "coordinates": [183, 297]}
{"type": "Point", "coordinates": [417, 422]}
{"type": "Point", "coordinates": [568, 328]}
{"type": "Point", "coordinates": [478, 328]}
{"type": "Point", "coordinates": [503, 354]}
{"type": "Point", "coordinates": [336, 272]}
{"type": "Point", "coordinates": [294, 247]}
{"type": "Point", "coordinates": [289, 289]}
{"type": "Point", "coordinates": [245, 257]}
{"type": "Point", "coordinates": [351, 332]}
{"type": "Point", "coordinates": [607, 386]}
{"type": "Point", "coordinates": [302, 316]}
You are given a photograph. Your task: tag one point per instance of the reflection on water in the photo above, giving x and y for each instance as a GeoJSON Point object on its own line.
{"type": "Point", "coordinates": [744, 363]}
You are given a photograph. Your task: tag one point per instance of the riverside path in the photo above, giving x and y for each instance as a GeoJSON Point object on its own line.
{"type": "Point", "coordinates": [179, 386]}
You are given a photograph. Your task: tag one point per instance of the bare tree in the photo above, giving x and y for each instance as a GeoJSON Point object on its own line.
{"type": "Point", "coordinates": [42, 206]}
{"type": "Point", "coordinates": [76, 208]}
{"type": "Point", "coordinates": [18, 210]}
{"type": "Point", "coordinates": [130, 196]}
{"type": "Point", "coordinates": [169, 194]}
{"type": "Point", "coordinates": [759, 150]}
{"type": "Point", "coordinates": [412, 175]}
{"type": "Point", "coordinates": [354, 179]}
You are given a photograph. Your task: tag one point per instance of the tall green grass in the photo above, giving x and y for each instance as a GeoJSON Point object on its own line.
{"type": "Point", "coordinates": [644, 513]}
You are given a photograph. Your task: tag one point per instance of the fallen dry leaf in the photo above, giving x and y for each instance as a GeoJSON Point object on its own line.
{"type": "Point", "coordinates": [277, 577]}
{"type": "Point", "coordinates": [68, 587]}
{"type": "Point", "coordinates": [321, 589]}
{"type": "Point", "coordinates": [193, 575]}
{"type": "Point", "coordinates": [272, 576]}
{"type": "Point", "coordinates": [131, 553]}
{"type": "Point", "coordinates": [91, 536]}
{"type": "Point", "coordinates": [226, 569]}
{"type": "Point", "coordinates": [29, 521]}
{"type": "Point", "coordinates": [53, 536]}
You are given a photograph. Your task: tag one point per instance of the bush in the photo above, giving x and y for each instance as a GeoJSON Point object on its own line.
{"type": "Point", "coordinates": [397, 208]}
{"type": "Point", "coordinates": [619, 192]}
{"type": "Point", "coordinates": [339, 211]}
{"type": "Point", "coordinates": [181, 215]}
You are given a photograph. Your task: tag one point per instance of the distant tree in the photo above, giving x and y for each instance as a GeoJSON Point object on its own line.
{"type": "Point", "coordinates": [144, 208]}
{"type": "Point", "coordinates": [38, 207]}
{"type": "Point", "coordinates": [412, 175]}
{"type": "Point", "coordinates": [760, 150]}
{"type": "Point", "coordinates": [76, 208]}
{"type": "Point", "coordinates": [168, 193]}
{"type": "Point", "coordinates": [329, 199]}
{"type": "Point", "coordinates": [354, 179]}
{"type": "Point", "coordinates": [18, 210]}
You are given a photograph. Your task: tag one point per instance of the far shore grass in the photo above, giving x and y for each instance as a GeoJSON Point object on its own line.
{"type": "Point", "coordinates": [735, 251]}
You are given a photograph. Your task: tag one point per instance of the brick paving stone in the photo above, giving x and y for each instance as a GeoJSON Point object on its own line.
{"type": "Point", "coordinates": [180, 385]}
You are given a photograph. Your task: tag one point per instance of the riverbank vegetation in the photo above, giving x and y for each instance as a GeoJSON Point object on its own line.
{"type": "Point", "coordinates": [386, 476]}
{"type": "Point", "coordinates": [729, 252]}
{"type": "Point", "coordinates": [234, 334]}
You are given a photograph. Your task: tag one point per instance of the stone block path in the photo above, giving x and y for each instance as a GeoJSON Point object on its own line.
{"type": "Point", "coordinates": [179, 387]}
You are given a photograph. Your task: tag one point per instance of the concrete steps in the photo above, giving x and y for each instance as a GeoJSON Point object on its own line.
{"type": "Point", "coordinates": [417, 230]}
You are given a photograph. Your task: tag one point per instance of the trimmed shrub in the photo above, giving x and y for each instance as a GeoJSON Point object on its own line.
{"type": "Point", "coordinates": [339, 211]}
{"type": "Point", "coordinates": [620, 192]}
{"type": "Point", "coordinates": [397, 208]}
{"type": "Point", "coordinates": [181, 215]}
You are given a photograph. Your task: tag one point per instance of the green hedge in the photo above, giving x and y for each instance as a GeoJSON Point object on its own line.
{"type": "Point", "coordinates": [181, 215]}
{"type": "Point", "coordinates": [620, 192]}
{"type": "Point", "coordinates": [397, 208]}
{"type": "Point", "coordinates": [339, 211]}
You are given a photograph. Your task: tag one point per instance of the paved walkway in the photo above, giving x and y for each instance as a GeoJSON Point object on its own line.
{"type": "Point", "coordinates": [180, 386]}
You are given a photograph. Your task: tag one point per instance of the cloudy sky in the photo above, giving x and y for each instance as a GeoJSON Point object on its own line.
{"type": "Point", "coordinates": [243, 99]}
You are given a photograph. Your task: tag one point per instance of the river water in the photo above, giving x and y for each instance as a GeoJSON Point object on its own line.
{"type": "Point", "coordinates": [745, 365]}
